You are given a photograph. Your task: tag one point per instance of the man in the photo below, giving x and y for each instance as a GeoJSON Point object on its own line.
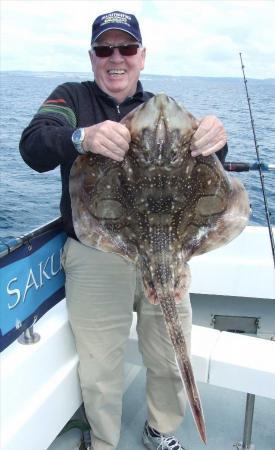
{"type": "Point", "coordinates": [101, 289]}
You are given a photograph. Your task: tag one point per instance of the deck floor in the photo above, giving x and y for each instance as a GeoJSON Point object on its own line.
{"type": "Point", "coordinates": [224, 413]}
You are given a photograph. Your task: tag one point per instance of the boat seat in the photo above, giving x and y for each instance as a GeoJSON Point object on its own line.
{"type": "Point", "coordinates": [244, 363]}
{"type": "Point", "coordinates": [239, 362]}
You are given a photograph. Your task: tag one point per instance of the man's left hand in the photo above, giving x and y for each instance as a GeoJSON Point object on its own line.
{"type": "Point", "coordinates": [209, 137]}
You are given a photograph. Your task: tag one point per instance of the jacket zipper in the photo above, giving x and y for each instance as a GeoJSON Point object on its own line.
{"type": "Point", "coordinates": [118, 111]}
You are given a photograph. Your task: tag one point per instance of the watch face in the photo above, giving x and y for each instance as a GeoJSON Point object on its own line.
{"type": "Point", "coordinates": [77, 139]}
{"type": "Point", "coordinates": [77, 136]}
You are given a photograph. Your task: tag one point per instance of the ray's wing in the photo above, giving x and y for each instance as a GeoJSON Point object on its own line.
{"type": "Point", "coordinates": [231, 223]}
{"type": "Point", "coordinates": [99, 207]}
{"type": "Point", "coordinates": [218, 209]}
{"type": "Point", "coordinates": [219, 228]}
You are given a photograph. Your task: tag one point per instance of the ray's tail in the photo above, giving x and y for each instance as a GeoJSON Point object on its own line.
{"type": "Point", "coordinates": [185, 368]}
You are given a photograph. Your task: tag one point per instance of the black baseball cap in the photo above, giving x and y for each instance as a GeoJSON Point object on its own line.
{"type": "Point", "coordinates": [116, 20]}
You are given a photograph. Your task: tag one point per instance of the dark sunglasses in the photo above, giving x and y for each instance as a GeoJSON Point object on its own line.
{"type": "Point", "coordinates": [103, 51]}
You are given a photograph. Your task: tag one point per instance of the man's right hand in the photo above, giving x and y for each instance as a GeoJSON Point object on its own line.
{"type": "Point", "coordinates": [107, 138]}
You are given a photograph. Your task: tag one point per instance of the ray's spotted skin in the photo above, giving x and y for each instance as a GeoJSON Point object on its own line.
{"type": "Point", "coordinates": [158, 208]}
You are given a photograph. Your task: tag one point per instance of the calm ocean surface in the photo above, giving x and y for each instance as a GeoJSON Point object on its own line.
{"type": "Point", "coordinates": [30, 199]}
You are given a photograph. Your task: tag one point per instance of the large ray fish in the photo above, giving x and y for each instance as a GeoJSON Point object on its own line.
{"type": "Point", "coordinates": [158, 208]}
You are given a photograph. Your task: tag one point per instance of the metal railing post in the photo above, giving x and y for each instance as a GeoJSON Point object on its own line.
{"type": "Point", "coordinates": [248, 422]}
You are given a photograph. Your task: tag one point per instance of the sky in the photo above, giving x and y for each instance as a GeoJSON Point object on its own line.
{"type": "Point", "coordinates": [182, 37]}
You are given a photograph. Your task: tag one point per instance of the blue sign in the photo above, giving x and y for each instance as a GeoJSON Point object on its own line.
{"type": "Point", "coordinates": [32, 282]}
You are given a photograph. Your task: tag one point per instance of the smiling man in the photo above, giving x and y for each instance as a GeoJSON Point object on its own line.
{"type": "Point", "coordinates": [117, 59]}
{"type": "Point", "coordinates": [101, 289]}
{"type": "Point", "coordinates": [114, 71]}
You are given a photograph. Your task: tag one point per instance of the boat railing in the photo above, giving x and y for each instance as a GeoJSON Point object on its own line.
{"type": "Point", "coordinates": [10, 244]}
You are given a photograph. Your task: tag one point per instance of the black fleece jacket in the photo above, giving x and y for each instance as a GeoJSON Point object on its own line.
{"type": "Point", "coordinates": [46, 142]}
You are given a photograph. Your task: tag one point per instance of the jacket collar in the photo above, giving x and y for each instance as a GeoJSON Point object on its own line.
{"type": "Point", "coordinates": [137, 95]}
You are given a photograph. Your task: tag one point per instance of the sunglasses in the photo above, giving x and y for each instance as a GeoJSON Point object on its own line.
{"type": "Point", "coordinates": [103, 51]}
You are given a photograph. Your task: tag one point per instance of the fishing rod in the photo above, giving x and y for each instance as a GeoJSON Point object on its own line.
{"type": "Point", "coordinates": [259, 165]}
{"type": "Point", "coordinates": [232, 166]}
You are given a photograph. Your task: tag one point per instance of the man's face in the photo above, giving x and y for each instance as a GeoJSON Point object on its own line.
{"type": "Point", "coordinates": [117, 75]}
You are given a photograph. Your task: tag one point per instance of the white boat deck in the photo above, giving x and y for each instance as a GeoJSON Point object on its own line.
{"type": "Point", "coordinates": [224, 414]}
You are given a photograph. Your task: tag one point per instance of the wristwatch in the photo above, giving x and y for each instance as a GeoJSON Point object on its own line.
{"type": "Point", "coordinates": [77, 139]}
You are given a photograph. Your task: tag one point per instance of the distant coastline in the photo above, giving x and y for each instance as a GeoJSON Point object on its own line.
{"type": "Point", "coordinates": [143, 76]}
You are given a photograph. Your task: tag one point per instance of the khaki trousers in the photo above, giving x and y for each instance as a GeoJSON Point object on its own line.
{"type": "Point", "coordinates": [102, 291]}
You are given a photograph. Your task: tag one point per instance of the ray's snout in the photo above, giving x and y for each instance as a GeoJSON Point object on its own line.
{"type": "Point", "coordinates": [165, 109]}
{"type": "Point", "coordinates": [174, 115]}
{"type": "Point", "coordinates": [161, 100]}
{"type": "Point", "coordinates": [161, 131]}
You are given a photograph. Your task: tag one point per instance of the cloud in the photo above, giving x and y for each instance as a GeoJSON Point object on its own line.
{"type": "Point", "coordinates": [182, 37]}
{"type": "Point", "coordinates": [205, 38]}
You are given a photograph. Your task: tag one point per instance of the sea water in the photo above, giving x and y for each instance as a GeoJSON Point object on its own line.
{"type": "Point", "coordinates": [29, 199]}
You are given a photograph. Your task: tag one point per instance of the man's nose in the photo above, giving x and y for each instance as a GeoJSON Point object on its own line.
{"type": "Point", "coordinates": [116, 56]}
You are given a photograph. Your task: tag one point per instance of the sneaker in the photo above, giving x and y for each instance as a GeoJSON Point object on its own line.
{"type": "Point", "coordinates": [153, 440]}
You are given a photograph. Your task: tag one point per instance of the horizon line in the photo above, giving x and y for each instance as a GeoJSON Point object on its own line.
{"type": "Point", "coordinates": [141, 76]}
